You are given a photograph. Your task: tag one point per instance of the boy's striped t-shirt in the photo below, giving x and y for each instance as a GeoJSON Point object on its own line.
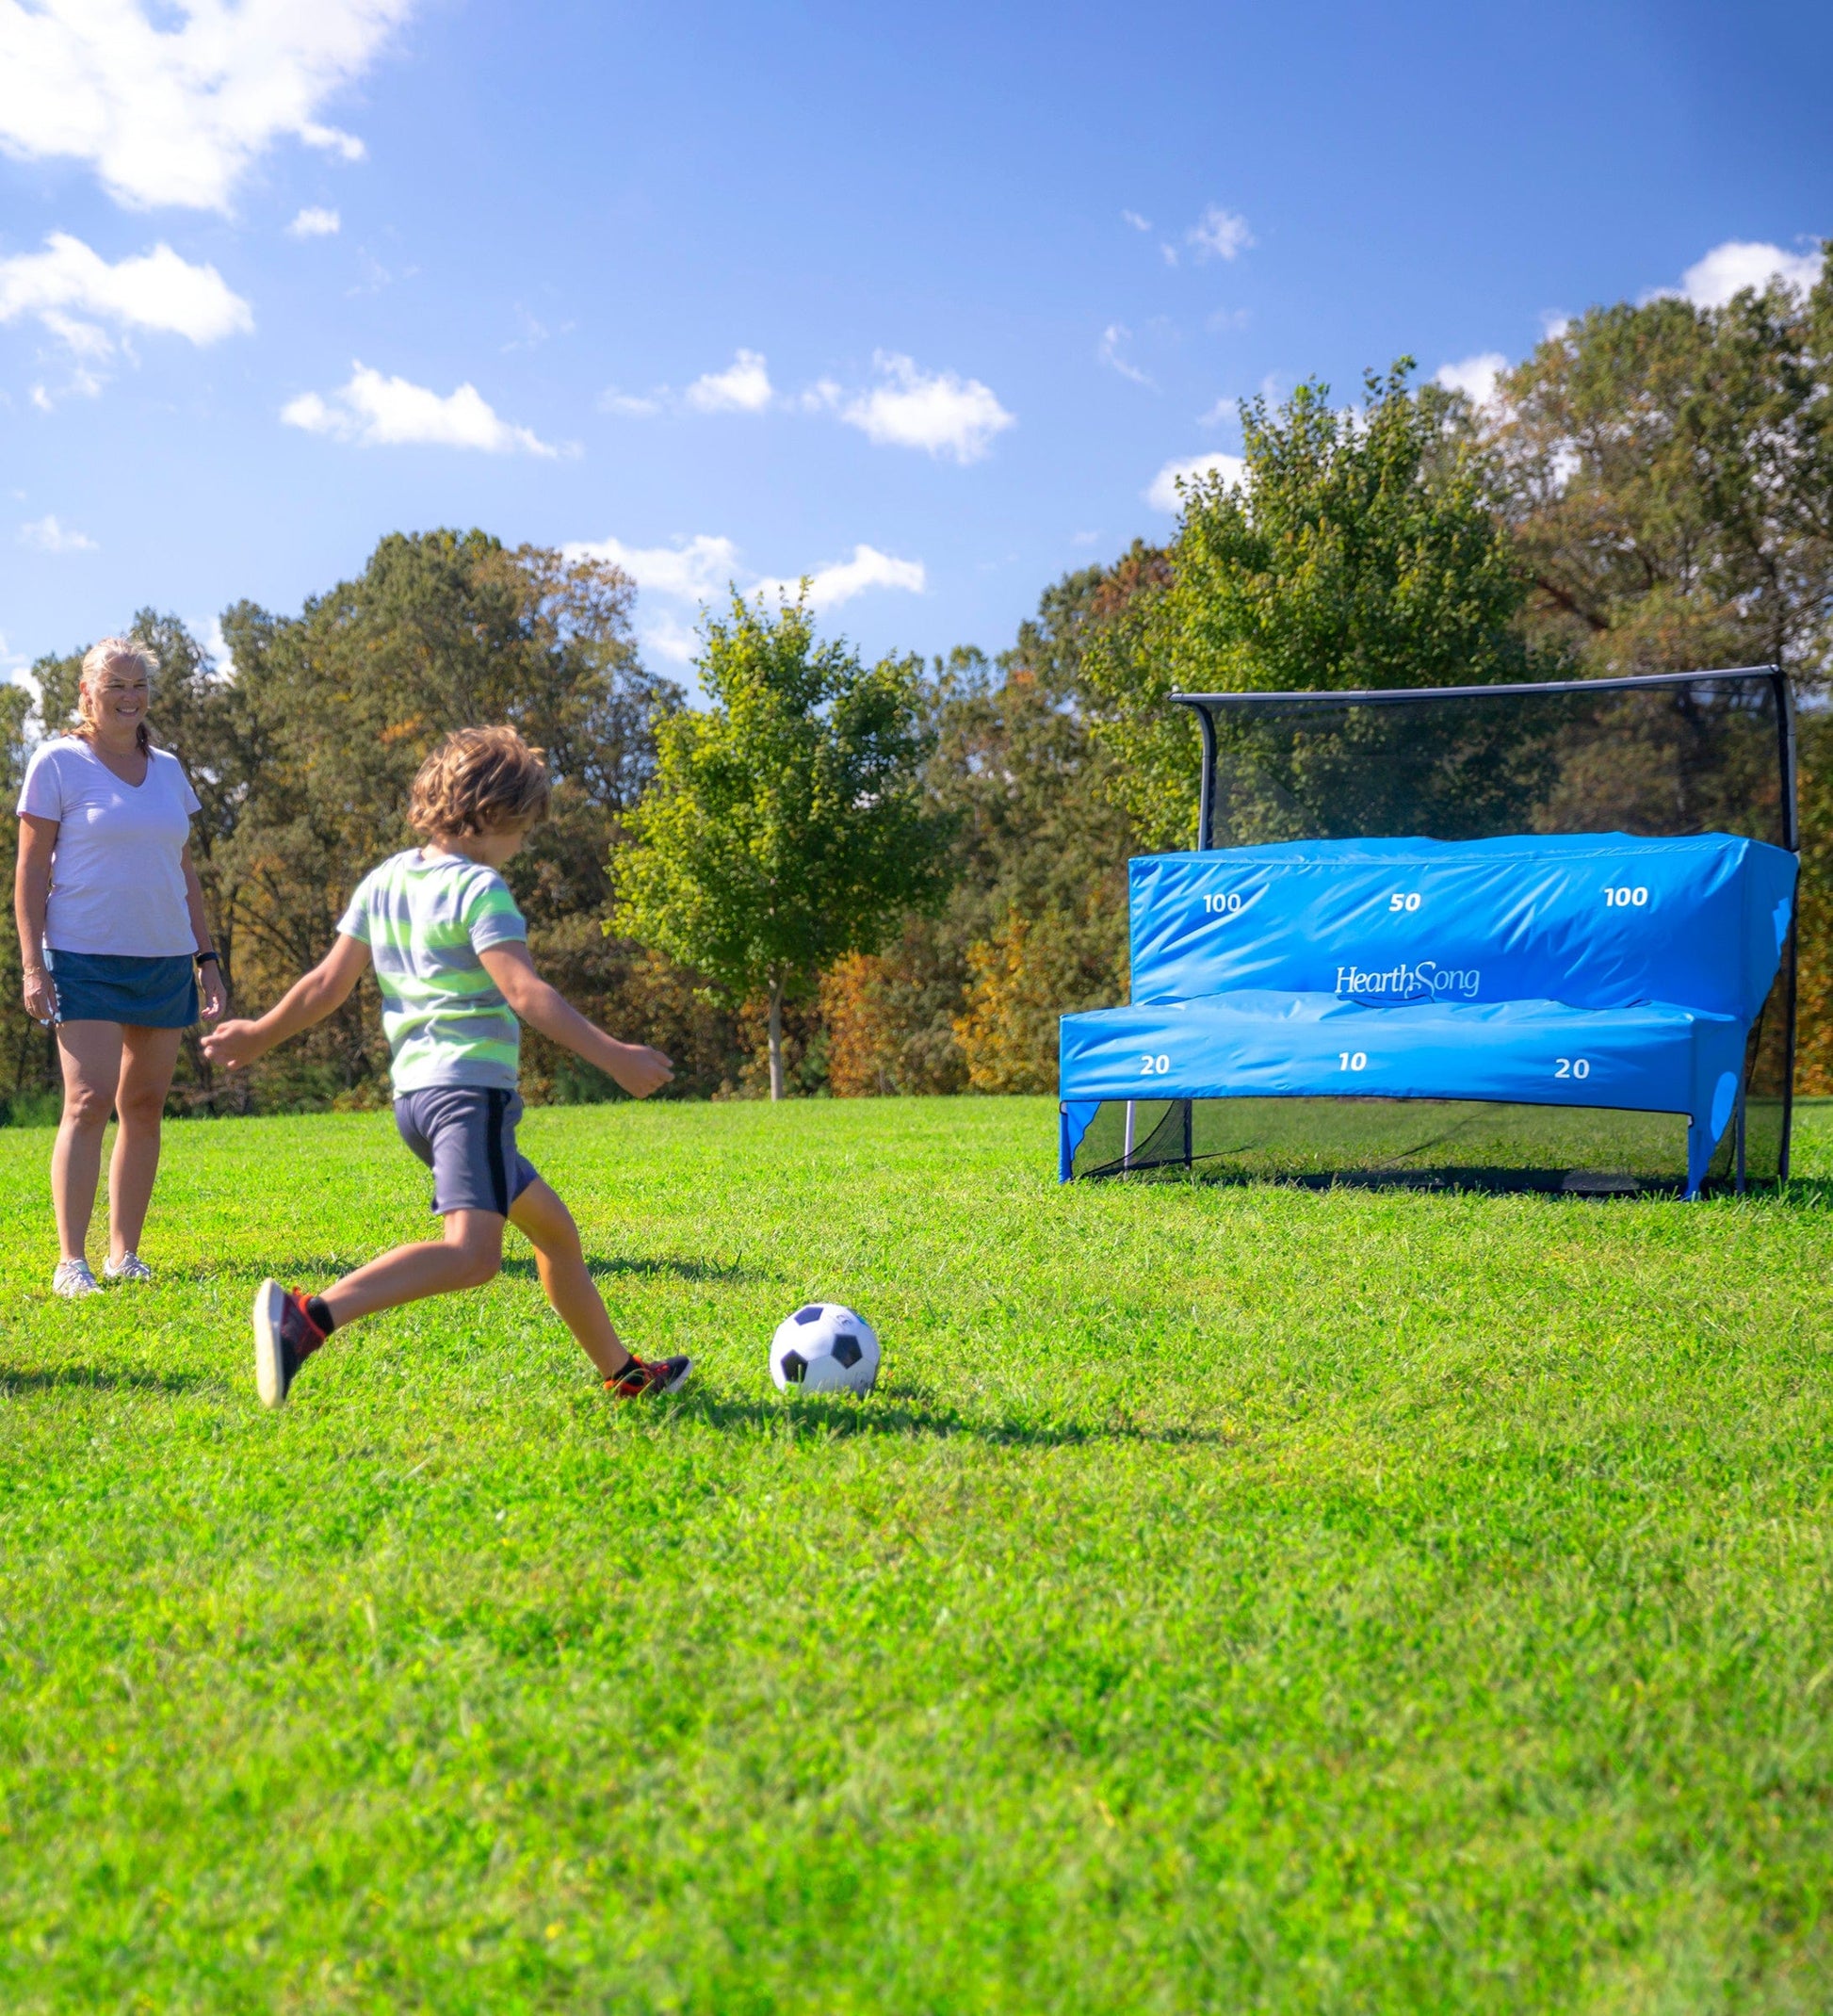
{"type": "Point", "coordinates": [425, 919]}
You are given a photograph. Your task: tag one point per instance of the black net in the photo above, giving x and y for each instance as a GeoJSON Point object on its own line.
{"type": "Point", "coordinates": [1656, 757]}
{"type": "Point", "coordinates": [1661, 757]}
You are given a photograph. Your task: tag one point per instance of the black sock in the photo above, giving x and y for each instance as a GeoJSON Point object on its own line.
{"type": "Point", "coordinates": [315, 1308]}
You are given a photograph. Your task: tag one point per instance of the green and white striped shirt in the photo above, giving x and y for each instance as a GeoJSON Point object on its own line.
{"type": "Point", "coordinates": [425, 919]}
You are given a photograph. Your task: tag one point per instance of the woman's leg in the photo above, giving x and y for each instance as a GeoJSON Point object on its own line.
{"type": "Point", "coordinates": [148, 1059]}
{"type": "Point", "coordinates": [90, 1055]}
{"type": "Point", "coordinates": [548, 1226]}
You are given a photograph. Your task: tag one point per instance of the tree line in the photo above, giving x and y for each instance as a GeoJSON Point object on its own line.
{"type": "Point", "coordinates": [859, 879]}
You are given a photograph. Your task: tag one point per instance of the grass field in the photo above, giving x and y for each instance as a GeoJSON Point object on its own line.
{"type": "Point", "coordinates": [1232, 1600]}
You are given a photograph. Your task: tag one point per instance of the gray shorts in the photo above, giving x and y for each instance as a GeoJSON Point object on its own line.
{"type": "Point", "coordinates": [465, 1134]}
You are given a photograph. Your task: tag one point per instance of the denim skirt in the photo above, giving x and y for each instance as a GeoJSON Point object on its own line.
{"type": "Point", "coordinates": [111, 987]}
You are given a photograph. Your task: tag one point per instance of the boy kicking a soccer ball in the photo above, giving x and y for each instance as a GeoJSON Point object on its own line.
{"type": "Point", "coordinates": [451, 959]}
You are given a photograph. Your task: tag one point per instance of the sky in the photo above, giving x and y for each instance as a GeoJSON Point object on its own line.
{"type": "Point", "coordinates": [927, 305]}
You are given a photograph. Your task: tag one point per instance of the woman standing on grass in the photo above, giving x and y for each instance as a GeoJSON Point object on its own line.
{"type": "Point", "coordinates": [114, 943]}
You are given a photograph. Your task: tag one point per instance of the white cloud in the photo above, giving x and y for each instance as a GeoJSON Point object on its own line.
{"type": "Point", "coordinates": [934, 411]}
{"type": "Point", "coordinates": [216, 646]}
{"type": "Point", "coordinates": [701, 568]}
{"type": "Point", "coordinates": [313, 223]}
{"type": "Point", "coordinates": [45, 535]}
{"type": "Point", "coordinates": [1225, 408]}
{"type": "Point", "coordinates": [158, 291]}
{"type": "Point", "coordinates": [1162, 494]}
{"type": "Point", "coordinates": [668, 637]}
{"type": "Point", "coordinates": [743, 386]}
{"type": "Point", "coordinates": [1107, 350]}
{"type": "Point", "coordinates": [170, 101]}
{"type": "Point", "coordinates": [696, 568]}
{"type": "Point", "coordinates": [1728, 268]}
{"type": "Point", "coordinates": [1218, 234]}
{"type": "Point", "coordinates": [841, 580]}
{"type": "Point", "coordinates": [612, 400]}
{"type": "Point", "coordinates": [1475, 377]}
{"type": "Point", "coordinates": [377, 412]}
{"type": "Point", "coordinates": [1136, 221]}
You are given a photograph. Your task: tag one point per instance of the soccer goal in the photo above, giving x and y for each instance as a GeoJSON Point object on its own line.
{"type": "Point", "coordinates": [1536, 936]}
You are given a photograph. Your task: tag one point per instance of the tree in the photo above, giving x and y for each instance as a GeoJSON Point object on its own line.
{"type": "Point", "coordinates": [342, 703]}
{"type": "Point", "coordinates": [785, 827]}
{"type": "Point", "coordinates": [1668, 474]}
{"type": "Point", "coordinates": [1039, 868]}
{"type": "Point", "coordinates": [1667, 471]}
{"type": "Point", "coordinates": [28, 1056]}
{"type": "Point", "coordinates": [1360, 550]}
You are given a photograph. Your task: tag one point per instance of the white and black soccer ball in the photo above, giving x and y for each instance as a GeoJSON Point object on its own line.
{"type": "Point", "coordinates": [824, 1348]}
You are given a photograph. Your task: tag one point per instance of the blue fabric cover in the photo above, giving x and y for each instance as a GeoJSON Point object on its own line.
{"type": "Point", "coordinates": [1583, 970]}
{"type": "Point", "coordinates": [1651, 1057]}
{"type": "Point", "coordinates": [1520, 919]}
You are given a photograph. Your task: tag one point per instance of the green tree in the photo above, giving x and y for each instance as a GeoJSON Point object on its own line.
{"type": "Point", "coordinates": [785, 827]}
{"type": "Point", "coordinates": [1668, 474]}
{"type": "Point", "coordinates": [1360, 550]}
{"type": "Point", "coordinates": [28, 1057]}
{"type": "Point", "coordinates": [1038, 866]}
{"type": "Point", "coordinates": [339, 705]}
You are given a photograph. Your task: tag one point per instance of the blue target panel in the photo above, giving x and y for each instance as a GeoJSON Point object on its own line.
{"type": "Point", "coordinates": [1593, 970]}
{"type": "Point", "coordinates": [1595, 920]}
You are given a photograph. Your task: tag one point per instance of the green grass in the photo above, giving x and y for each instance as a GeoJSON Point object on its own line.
{"type": "Point", "coordinates": [1233, 1597]}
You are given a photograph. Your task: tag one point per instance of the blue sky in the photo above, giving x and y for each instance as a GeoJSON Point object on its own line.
{"type": "Point", "coordinates": [919, 301]}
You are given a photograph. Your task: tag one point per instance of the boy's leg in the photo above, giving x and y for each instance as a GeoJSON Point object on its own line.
{"type": "Point", "coordinates": [289, 1327]}
{"type": "Point", "coordinates": [547, 1223]}
{"type": "Point", "coordinates": [470, 1254]}
{"type": "Point", "coordinates": [548, 1226]}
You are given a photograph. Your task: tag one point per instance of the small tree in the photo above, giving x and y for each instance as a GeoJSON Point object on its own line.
{"type": "Point", "coordinates": [1363, 550]}
{"type": "Point", "coordinates": [787, 825]}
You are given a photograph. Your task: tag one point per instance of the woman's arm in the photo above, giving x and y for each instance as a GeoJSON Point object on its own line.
{"type": "Point", "coordinates": [322, 992]}
{"type": "Point", "coordinates": [635, 1066]}
{"type": "Point", "coordinates": [214, 997]}
{"type": "Point", "coordinates": [37, 837]}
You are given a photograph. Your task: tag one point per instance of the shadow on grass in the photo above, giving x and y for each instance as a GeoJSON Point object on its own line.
{"type": "Point", "coordinates": [96, 1378]}
{"type": "Point", "coordinates": [910, 1418]}
{"type": "Point", "coordinates": [1804, 1193]}
{"type": "Point", "coordinates": [291, 1270]}
{"type": "Point", "coordinates": [647, 1270]}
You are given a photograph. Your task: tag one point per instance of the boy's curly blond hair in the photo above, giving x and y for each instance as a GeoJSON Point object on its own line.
{"type": "Point", "coordinates": [477, 781]}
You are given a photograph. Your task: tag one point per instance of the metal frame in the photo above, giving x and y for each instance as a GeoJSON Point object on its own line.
{"type": "Point", "coordinates": [1203, 704]}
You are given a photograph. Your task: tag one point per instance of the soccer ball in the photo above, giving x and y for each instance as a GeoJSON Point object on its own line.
{"type": "Point", "coordinates": [824, 1349]}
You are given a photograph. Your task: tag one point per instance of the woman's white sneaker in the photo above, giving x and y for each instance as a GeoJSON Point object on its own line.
{"type": "Point", "coordinates": [129, 1267]}
{"type": "Point", "coordinates": [73, 1279]}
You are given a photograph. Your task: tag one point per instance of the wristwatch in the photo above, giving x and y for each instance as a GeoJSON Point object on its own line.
{"type": "Point", "coordinates": [206, 959]}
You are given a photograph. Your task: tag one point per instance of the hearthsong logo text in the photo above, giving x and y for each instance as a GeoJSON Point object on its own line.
{"type": "Point", "coordinates": [1428, 980]}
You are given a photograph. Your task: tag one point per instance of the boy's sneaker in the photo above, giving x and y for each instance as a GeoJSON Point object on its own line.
{"type": "Point", "coordinates": [129, 1267]}
{"type": "Point", "coordinates": [641, 1378]}
{"type": "Point", "coordinates": [73, 1279]}
{"type": "Point", "coordinates": [284, 1337]}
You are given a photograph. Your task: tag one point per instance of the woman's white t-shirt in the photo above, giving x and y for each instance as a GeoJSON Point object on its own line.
{"type": "Point", "coordinates": [116, 871]}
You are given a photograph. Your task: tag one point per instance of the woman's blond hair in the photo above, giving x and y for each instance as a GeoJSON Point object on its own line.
{"type": "Point", "coordinates": [477, 781]}
{"type": "Point", "coordinates": [96, 660]}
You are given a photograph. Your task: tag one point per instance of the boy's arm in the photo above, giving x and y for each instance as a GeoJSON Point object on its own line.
{"type": "Point", "coordinates": [323, 990]}
{"type": "Point", "coordinates": [635, 1066]}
